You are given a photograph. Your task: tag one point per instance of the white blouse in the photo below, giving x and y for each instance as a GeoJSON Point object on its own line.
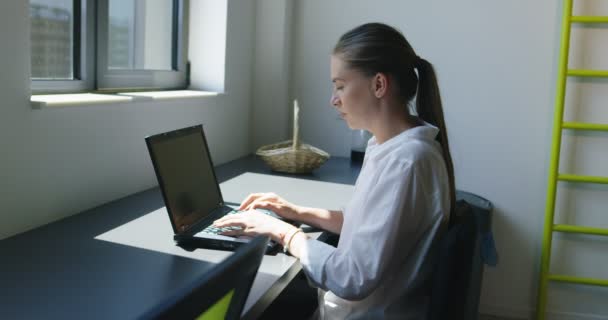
{"type": "Point", "coordinates": [381, 268]}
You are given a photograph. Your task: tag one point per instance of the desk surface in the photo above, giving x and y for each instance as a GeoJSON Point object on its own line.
{"type": "Point", "coordinates": [117, 260]}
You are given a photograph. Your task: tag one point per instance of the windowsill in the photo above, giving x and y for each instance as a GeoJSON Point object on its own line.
{"type": "Point", "coordinates": [84, 99]}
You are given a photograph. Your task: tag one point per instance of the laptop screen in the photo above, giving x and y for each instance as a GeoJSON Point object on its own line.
{"type": "Point", "coordinates": [185, 172]}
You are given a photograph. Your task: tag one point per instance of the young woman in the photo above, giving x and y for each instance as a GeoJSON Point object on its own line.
{"type": "Point", "coordinates": [382, 265]}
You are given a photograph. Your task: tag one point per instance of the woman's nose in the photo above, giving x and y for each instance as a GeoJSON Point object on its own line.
{"type": "Point", "coordinates": [334, 100]}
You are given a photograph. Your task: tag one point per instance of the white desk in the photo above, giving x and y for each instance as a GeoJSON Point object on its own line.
{"type": "Point", "coordinates": [153, 231]}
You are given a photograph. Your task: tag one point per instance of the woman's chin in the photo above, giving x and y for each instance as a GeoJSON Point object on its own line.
{"type": "Point", "coordinates": [352, 126]}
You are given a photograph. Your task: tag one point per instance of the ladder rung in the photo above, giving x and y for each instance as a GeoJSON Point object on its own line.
{"type": "Point", "coordinates": [587, 73]}
{"type": "Point", "coordinates": [580, 229]}
{"type": "Point", "coordinates": [577, 178]}
{"type": "Point", "coordinates": [585, 126]}
{"type": "Point", "coordinates": [589, 19]}
{"type": "Point", "coordinates": [570, 279]}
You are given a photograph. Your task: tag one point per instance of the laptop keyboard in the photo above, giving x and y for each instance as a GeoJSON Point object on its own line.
{"type": "Point", "coordinates": [213, 230]}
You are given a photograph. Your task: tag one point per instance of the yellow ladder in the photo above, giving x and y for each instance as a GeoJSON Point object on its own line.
{"type": "Point", "coordinates": [554, 176]}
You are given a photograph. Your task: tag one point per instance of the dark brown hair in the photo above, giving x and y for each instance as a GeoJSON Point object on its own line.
{"type": "Point", "coordinates": [378, 48]}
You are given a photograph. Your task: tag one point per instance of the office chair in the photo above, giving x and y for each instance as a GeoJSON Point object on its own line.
{"type": "Point", "coordinates": [220, 293]}
{"type": "Point", "coordinates": [452, 294]}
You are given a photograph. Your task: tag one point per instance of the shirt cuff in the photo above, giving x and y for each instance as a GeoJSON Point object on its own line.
{"type": "Point", "coordinates": [313, 257]}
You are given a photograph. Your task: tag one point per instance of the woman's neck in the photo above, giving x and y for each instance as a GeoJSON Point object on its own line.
{"type": "Point", "coordinates": [390, 124]}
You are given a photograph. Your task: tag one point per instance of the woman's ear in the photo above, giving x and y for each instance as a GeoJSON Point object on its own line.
{"type": "Point", "coordinates": [380, 85]}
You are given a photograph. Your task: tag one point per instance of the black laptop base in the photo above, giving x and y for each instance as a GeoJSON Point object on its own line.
{"type": "Point", "coordinates": [190, 243]}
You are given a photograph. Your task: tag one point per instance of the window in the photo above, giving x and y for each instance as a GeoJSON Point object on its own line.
{"type": "Point", "coordinates": [107, 45]}
{"type": "Point", "coordinates": [61, 46]}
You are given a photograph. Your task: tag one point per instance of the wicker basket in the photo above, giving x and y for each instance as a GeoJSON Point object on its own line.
{"type": "Point", "coordinates": [291, 156]}
{"type": "Point", "coordinates": [283, 157]}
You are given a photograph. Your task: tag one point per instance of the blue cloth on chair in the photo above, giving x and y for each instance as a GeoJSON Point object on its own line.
{"type": "Point", "coordinates": [489, 255]}
{"type": "Point", "coordinates": [482, 209]}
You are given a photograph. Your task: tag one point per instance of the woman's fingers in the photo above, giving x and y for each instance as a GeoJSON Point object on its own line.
{"type": "Point", "coordinates": [260, 203]}
{"type": "Point", "coordinates": [251, 224]}
{"type": "Point", "coordinates": [238, 224]}
{"type": "Point", "coordinates": [247, 201]}
{"type": "Point", "coordinates": [250, 198]}
{"type": "Point", "coordinates": [233, 220]}
{"type": "Point", "coordinates": [233, 233]}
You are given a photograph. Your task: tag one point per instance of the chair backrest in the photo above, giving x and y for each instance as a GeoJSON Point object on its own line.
{"type": "Point", "coordinates": [453, 271]}
{"type": "Point", "coordinates": [220, 293]}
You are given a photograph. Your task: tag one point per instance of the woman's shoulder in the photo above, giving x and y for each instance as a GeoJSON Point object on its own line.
{"type": "Point", "coordinates": [413, 152]}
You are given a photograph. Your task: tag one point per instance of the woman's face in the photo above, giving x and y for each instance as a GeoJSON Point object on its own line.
{"type": "Point", "coordinates": [352, 94]}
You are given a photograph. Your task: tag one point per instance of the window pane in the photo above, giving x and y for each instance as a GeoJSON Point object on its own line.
{"type": "Point", "coordinates": [52, 25]}
{"type": "Point", "coordinates": [140, 34]}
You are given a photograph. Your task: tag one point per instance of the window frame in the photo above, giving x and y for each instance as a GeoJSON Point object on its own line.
{"type": "Point", "coordinates": [117, 80]}
{"type": "Point", "coordinates": [90, 72]}
{"type": "Point", "coordinates": [83, 55]}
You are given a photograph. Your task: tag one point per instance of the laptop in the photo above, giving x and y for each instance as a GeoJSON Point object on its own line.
{"type": "Point", "coordinates": [190, 190]}
{"type": "Point", "coordinates": [220, 293]}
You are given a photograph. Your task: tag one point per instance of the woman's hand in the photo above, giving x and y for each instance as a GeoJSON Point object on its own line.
{"type": "Point", "coordinates": [273, 202]}
{"type": "Point", "coordinates": [253, 223]}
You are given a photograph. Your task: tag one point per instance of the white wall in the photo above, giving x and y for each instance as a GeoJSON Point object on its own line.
{"type": "Point", "coordinates": [57, 162]}
{"type": "Point", "coordinates": [496, 62]}
{"type": "Point", "coordinates": [209, 18]}
{"type": "Point", "coordinates": [271, 92]}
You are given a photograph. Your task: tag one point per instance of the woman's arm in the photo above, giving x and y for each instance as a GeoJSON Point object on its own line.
{"type": "Point", "coordinates": [330, 220]}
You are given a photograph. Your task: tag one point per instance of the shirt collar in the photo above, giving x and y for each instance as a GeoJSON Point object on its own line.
{"type": "Point", "coordinates": [426, 131]}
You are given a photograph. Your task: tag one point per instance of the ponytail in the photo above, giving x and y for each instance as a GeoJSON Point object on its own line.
{"type": "Point", "coordinates": [429, 109]}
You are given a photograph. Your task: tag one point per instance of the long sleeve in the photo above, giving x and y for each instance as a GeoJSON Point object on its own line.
{"type": "Point", "coordinates": [380, 227]}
